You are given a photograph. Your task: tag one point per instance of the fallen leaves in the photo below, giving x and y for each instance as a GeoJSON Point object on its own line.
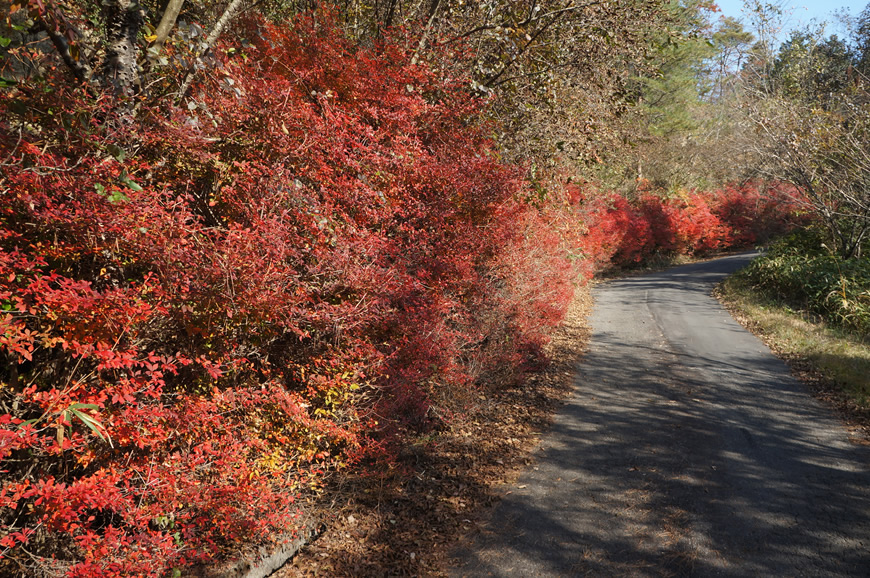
{"type": "Point", "coordinates": [405, 524]}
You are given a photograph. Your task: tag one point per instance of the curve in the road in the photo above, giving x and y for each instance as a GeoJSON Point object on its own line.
{"type": "Point", "coordinates": [687, 449]}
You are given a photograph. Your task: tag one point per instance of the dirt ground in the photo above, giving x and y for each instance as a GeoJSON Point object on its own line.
{"type": "Point", "coordinates": [404, 525]}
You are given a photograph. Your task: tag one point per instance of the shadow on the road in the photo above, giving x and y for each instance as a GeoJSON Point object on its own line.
{"type": "Point", "coordinates": [670, 484]}
{"type": "Point", "coordinates": [664, 465]}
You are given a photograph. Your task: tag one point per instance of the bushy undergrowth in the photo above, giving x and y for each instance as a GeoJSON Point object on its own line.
{"type": "Point", "coordinates": [624, 233]}
{"type": "Point", "coordinates": [207, 309]}
{"type": "Point", "coordinates": [800, 271]}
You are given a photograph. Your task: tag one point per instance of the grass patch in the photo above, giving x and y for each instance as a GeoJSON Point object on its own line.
{"type": "Point", "coordinates": [841, 356]}
{"type": "Point", "coordinates": [800, 271]}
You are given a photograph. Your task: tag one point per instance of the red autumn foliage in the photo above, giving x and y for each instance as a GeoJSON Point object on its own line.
{"type": "Point", "coordinates": [624, 233]}
{"type": "Point", "coordinates": [209, 309]}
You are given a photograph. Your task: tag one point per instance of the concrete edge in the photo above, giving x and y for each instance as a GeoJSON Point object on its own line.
{"type": "Point", "coordinates": [268, 560]}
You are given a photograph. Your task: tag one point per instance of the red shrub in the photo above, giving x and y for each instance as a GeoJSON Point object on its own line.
{"type": "Point", "coordinates": [208, 309]}
{"type": "Point", "coordinates": [623, 233]}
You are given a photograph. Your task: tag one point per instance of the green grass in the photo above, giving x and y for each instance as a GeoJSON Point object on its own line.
{"type": "Point", "coordinates": [800, 271]}
{"type": "Point", "coordinates": [840, 355]}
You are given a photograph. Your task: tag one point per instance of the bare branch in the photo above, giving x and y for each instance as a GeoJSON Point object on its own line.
{"type": "Point", "coordinates": [530, 19]}
{"type": "Point", "coordinates": [556, 16]}
{"type": "Point", "coordinates": [81, 70]}
{"type": "Point", "coordinates": [426, 32]}
{"type": "Point", "coordinates": [230, 12]}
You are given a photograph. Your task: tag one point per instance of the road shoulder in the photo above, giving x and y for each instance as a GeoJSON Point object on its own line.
{"type": "Point", "coordinates": [409, 521]}
{"type": "Point", "coordinates": [748, 312]}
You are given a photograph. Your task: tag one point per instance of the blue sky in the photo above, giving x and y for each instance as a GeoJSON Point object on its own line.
{"type": "Point", "coordinates": [802, 11]}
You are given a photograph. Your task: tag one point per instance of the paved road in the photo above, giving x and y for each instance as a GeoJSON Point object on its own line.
{"type": "Point", "coordinates": [686, 450]}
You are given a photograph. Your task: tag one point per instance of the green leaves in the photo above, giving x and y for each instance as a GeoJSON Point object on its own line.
{"type": "Point", "coordinates": [131, 184]}
{"type": "Point", "coordinates": [113, 196]}
{"type": "Point", "coordinates": [117, 152]}
{"type": "Point", "coordinates": [796, 270]}
{"type": "Point", "coordinates": [77, 410]}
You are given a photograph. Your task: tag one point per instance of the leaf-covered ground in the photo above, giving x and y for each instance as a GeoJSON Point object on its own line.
{"type": "Point", "coordinates": [405, 523]}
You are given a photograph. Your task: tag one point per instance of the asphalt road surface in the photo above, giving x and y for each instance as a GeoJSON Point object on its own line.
{"type": "Point", "coordinates": [686, 450]}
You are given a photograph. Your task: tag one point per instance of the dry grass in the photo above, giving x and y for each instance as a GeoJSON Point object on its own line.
{"type": "Point", "coordinates": [835, 362]}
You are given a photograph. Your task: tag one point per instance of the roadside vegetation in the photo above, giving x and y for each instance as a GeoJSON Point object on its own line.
{"type": "Point", "coordinates": [813, 307]}
{"type": "Point", "coordinates": [802, 273]}
{"type": "Point", "coordinates": [250, 252]}
{"type": "Point", "coordinates": [808, 104]}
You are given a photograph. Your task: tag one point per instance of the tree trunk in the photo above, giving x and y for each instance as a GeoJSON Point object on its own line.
{"type": "Point", "coordinates": [123, 21]}
{"type": "Point", "coordinates": [167, 22]}
{"type": "Point", "coordinates": [391, 13]}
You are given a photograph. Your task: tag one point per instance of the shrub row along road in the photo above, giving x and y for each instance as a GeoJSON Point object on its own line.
{"type": "Point", "coordinates": [688, 450]}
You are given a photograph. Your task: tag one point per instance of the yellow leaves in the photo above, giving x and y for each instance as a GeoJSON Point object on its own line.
{"type": "Point", "coordinates": [343, 392]}
{"type": "Point", "coordinates": [276, 460]}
